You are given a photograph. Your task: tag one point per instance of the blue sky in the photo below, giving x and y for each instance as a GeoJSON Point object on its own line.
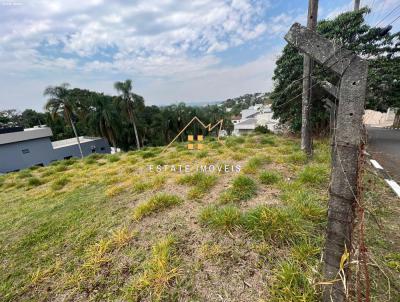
{"type": "Point", "coordinates": [173, 50]}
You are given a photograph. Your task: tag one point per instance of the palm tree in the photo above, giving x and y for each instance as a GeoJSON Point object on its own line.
{"type": "Point", "coordinates": [104, 118]}
{"type": "Point", "coordinates": [59, 104]}
{"type": "Point", "coordinates": [127, 104]}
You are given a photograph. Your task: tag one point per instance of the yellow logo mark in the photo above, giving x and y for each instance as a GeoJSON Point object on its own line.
{"type": "Point", "coordinates": [200, 138]}
{"type": "Point", "coordinates": [192, 146]}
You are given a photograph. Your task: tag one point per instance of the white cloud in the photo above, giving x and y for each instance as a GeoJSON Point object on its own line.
{"type": "Point", "coordinates": [171, 49]}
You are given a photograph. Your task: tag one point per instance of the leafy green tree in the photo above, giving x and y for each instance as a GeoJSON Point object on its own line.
{"type": "Point", "coordinates": [30, 118]}
{"type": "Point", "coordinates": [61, 104]}
{"type": "Point", "coordinates": [104, 118]}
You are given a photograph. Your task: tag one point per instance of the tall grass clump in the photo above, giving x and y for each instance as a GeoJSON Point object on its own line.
{"type": "Point", "coordinates": [156, 203]}
{"type": "Point", "coordinates": [148, 154]}
{"type": "Point", "coordinates": [60, 168]}
{"type": "Point", "coordinates": [113, 158]}
{"type": "Point", "coordinates": [268, 140]}
{"type": "Point", "coordinates": [255, 163]}
{"type": "Point", "coordinates": [24, 174]}
{"type": "Point", "coordinates": [233, 141]}
{"type": "Point", "coordinates": [298, 157]}
{"type": "Point", "coordinates": [314, 175]}
{"type": "Point", "coordinates": [279, 224]}
{"type": "Point", "coordinates": [158, 273]}
{"type": "Point", "coordinates": [269, 177]}
{"type": "Point", "coordinates": [293, 283]}
{"type": "Point", "coordinates": [201, 182]}
{"type": "Point", "coordinates": [34, 182]}
{"type": "Point", "coordinates": [60, 183]}
{"type": "Point", "coordinates": [309, 204]}
{"type": "Point", "coordinates": [243, 188]}
{"type": "Point", "coordinates": [225, 217]}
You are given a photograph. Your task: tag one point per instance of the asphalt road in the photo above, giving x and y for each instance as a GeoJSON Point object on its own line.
{"type": "Point", "coordinates": [384, 146]}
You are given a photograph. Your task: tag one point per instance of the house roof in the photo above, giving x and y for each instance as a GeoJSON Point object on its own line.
{"type": "Point", "coordinates": [249, 121]}
{"type": "Point", "coordinates": [246, 124]}
{"type": "Point", "coordinates": [73, 141]}
{"type": "Point", "coordinates": [27, 134]}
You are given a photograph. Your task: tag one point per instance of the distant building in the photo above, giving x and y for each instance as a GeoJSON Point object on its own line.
{"type": "Point", "coordinates": [22, 148]}
{"type": "Point", "coordinates": [236, 119]}
{"type": "Point", "coordinates": [257, 115]}
{"type": "Point", "coordinates": [379, 119]}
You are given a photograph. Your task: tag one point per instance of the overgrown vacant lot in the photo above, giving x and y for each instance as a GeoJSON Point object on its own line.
{"type": "Point", "coordinates": [105, 228]}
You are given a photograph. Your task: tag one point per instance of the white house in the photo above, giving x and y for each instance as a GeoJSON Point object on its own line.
{"type": "Point", "coordinates": [257, 115]}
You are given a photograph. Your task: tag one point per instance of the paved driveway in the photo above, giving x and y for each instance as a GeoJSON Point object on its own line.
{"type": "Point", "coordinates": [384, 146]}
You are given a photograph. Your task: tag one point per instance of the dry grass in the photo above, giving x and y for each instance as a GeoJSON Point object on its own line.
{"type": "Point", "coordinates": [156, 203]}
{"type": "Point", "coordinates": [256, 235]}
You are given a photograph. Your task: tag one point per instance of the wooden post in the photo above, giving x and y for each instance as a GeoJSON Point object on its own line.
{"type": "Point", "coordinates": [347, 142]}
{"type": "Point", "coordinates": [306, 143]}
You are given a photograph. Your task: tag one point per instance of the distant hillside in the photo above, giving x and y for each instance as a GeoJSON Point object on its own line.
{"type": "Point", "coordinates": [242, 102]}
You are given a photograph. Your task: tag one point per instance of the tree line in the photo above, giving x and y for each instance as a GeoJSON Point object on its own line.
{"type": "Point", "coordinates": [123, 119]}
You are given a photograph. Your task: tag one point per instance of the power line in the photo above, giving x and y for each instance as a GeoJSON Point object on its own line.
{"type": "Point", "coordinates": [387, 15]}
{"type": "Point", "coordinates": [393, 21]}
{"type": "Point", "coordinates": [320, 72]}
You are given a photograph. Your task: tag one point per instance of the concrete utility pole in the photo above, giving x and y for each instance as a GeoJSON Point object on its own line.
{"type": "Point", "coordinates": [356, 5]}
{"type": "Point", "coordinates": [347, 142]}
{"type": "Point", "coordinates": [306, 143]}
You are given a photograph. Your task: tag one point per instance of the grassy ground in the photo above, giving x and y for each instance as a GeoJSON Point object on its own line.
{"type": "Point", "coordinates": [105, 228]}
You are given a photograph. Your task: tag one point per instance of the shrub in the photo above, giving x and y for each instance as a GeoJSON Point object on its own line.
{"type": "Point", "coordinates": [262, 129]}
{"type": "Point", "coordinates": [243, 188]}
{"type": "Point", "coordinates": [155, 204]}
{"type": "Point", "coordinates": [269, 178]}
